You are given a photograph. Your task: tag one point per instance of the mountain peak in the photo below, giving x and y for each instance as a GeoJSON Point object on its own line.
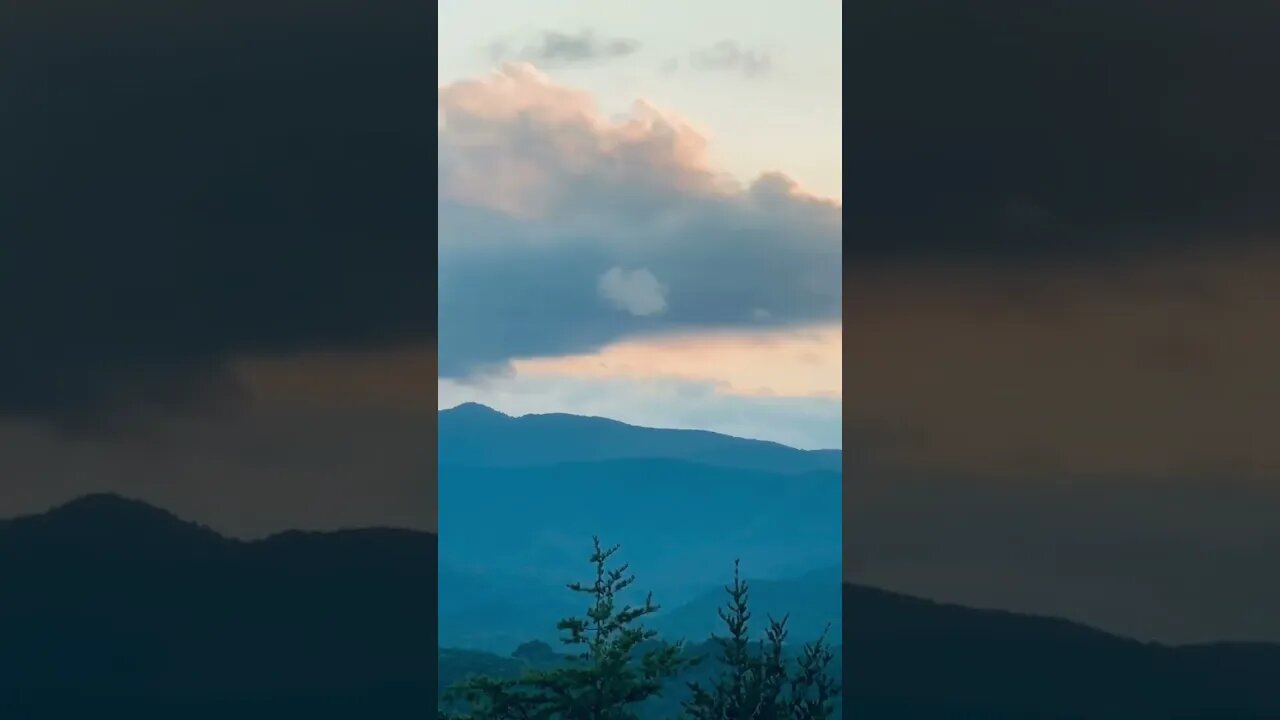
{"type": "Point", "coordinates": [473, 409]}
{"type": "Point", "coordinates": [106, 504]}
{"type": "Point", "coordinates": [108, 515]}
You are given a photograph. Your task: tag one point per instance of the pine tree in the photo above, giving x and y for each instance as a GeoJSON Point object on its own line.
{"type": "Point", "coordinates": [619, 665]}
{"type": "Point", "coordinates": [752, 684]}
{"type": "Point", "coordinates": [605, 679]}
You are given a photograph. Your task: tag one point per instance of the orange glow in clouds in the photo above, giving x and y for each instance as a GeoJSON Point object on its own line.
{"type": "Point", "coordinates": [791, 363]}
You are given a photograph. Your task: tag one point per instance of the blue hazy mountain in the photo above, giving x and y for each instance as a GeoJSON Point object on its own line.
{"type": "Point", "coordinates": [478, 436]}
{"type": "Point", "coordinates": [811, 603]}
{"type": "Point", "coordinates": [520, 500]}
{"type": "Point", "coordinates": [907, 658]}
{"type": "Point", "coordinates": [484, 612]}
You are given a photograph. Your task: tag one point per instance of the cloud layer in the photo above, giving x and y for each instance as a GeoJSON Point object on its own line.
{"type": "Point", "coordinates": [1059, 294]}
{"type": "Point", "coordinates": [181, 187]}
{"type": "Point", "coordinates": [542, 196]}
{"type": "Point", "coordinates": [1005, 131]}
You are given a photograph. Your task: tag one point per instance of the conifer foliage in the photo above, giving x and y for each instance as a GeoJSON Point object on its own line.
{"type": "Point", "coordinates": [618, 664]}
{"type": "Point", "coordinates": [758, 685]}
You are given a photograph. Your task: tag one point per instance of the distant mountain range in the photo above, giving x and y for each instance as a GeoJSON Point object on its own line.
{"type": "Point", "coordinates": [488, 613]}
{"type": "Point", "coordinates": [109, 604]}
{"type": "Point", "coordinates": [520, 499]}
{"type": "Point", "coordinates": [474, 435]}
{"type": "Point", "coordinates": [911, 659]}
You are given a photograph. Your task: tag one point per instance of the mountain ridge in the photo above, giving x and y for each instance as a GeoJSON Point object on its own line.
{"type": "Point", "coordinates": [317, 633]}
{"type": "Point", "coordinates": [919, 658]}
{"type": "Point", "coordinates": [475, 434]}
{"type": "Point", "coordinates": [148, 612]}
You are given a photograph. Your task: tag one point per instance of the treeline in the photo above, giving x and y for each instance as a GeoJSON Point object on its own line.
{"type": "Point", "coordinates": [619, 667]}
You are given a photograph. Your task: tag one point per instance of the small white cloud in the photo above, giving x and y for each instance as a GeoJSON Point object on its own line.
{"type": "Point", "coordinates": [636, 291]}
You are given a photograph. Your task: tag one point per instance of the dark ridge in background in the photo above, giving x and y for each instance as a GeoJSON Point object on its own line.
{"type": "Point", "coordinates": [110, 605]}
{"type": "Point", "coordinates": [327, 623]}
{"type": "Point", "coordinates": [913, 659]}
{"type": "Point", "coordinates": [188, 182]}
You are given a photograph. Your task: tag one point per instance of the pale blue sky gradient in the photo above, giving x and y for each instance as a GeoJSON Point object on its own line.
{"type": "Point", "coordinates": [787, 120]}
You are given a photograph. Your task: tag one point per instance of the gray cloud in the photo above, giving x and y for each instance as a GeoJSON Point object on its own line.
{"type": "Point", "coordinates": [540, 197]}
{"type": "Point", "coordinates": [246, 472]}
{"type": "Point", "coordinates": [557, 49]}
{"type": "Point", "coordinates": [729, 56]}
{"type": "Point", "coordinates": [1001, 134]}
{"type": "Point", "coordinates": [251, 182]}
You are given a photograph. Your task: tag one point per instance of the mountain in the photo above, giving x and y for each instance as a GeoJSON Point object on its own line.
{"type": "Point", "coordinates": [906, 658]}
{"type": "Point", "coordinates": [482, 611]}
{"type": "Point", "coordinates": [110, 604]}
{"type": "Point", "coordinates": [498, 614]}
{"type": "Point", "coordinates": [521, 499]}
{"type": "Point", "coordinates": [680, 524]}
{"type": "Point", "coordinates": [477, 436]}
{"type": "Point", "coordinates": [456, 665]}
{"type": "Point", "coordinates": [810, 603]}
{"type": "Point", "coordinates": [910, 658]}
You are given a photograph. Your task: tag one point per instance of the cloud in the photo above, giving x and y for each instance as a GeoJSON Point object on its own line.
{"type": "Point", "coordinates": [558, 49]}
{"type": "Point", "coordinates": [246, 185]}
{"type": "Point", "coordinates": [1057, 286]}
{"type": "Point", "coordinates": [636, 291]}
{"type": "Point", "coordinates": [1079, 440]}
{"type": "Point", "coordinates": [542, 195]}
{"type": "Point", "coordinates": [996, 132]}
{"type": "Point", "coordinates": [729, 56]}
{"type": "Point", "coordinates": [251, 471]}
{"type": "Point", "coordinates": [1148, 368]}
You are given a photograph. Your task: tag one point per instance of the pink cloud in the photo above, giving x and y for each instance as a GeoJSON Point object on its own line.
{"type": "Point", "coordinates": [518, 142]}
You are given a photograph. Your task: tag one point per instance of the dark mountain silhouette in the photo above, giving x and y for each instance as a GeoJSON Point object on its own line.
{"type": "Point", "coordinates": [109, 604]}
{"type": "Point", "coordinates": [475, 435]}
{"type": "Point", "coordinates": [909, 658]}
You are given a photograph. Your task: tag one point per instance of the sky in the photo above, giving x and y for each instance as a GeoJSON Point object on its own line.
{"type": "Point", "coordinates": [640, 218]}
{"type": "Point", "coordinates": [1060, 289]}
{"type": "Point", "coordinates": [217, 280]}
